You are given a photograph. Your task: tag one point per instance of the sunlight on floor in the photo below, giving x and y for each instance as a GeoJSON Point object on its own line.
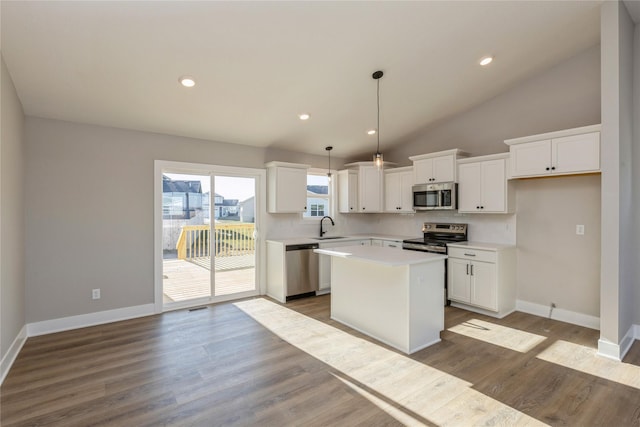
{"type": "Point", "coordinates": [585, 359]}
{"type": "Point", "coordinates": [503, 336]}
{"type": "Point", "coordinates": [394, 380]}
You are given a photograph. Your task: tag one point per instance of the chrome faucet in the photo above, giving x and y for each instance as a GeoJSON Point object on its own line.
{"type": "Point", "coordinates": [322, 232]}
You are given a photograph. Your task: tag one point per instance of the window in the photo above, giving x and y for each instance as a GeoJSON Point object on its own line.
{"type": "Point", "coordinates": [318, 195]}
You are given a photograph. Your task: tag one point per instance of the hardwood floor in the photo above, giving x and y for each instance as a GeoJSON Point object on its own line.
{"type": "Point", "coordinates": [218, 366]}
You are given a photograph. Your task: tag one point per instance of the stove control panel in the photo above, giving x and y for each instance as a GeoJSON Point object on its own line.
{"type": "Point", "coordinates": [431, 227]}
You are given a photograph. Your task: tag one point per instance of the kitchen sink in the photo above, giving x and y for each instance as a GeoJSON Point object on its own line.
{"type": "Point", "coordinates": [328, 238]}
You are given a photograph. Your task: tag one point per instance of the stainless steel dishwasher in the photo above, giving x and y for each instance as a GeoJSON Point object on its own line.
{"type": "Point", "coordinates": [302, 265]}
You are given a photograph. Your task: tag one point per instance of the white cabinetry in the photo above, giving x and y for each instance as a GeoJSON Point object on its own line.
{"type": "Point", "coordinates": [396, 244]}
{"type": "Point", "coordinates": [570, 151]}
{"type": "Point", "coordinates": [348, 191]}
{"type": "Point", "coordinates": [286, 187]}
{"type": "Point", "coordinates": [436, 167]}
{"type": "Point", "coordinates": [483, 185]}
{"type": "Point", "coordinates": [398, 196]}
{"type": "Point", "coordinates": [481, 278]}
{"type": "Point", "coordinates": [368, 182]}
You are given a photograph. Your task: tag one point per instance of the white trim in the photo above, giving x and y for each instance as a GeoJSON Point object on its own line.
{"type": "Point", "coordinates": [608, 349]}
{"type": "Point", "coordinates": [89, 319]}
{"type": "Point", "coordinates": [12, 353]}
{"type": "Point", "coordinates": [556, 134]}
{"type": "Point", "coordinates": [627, 340]}
{"type": "Point", "coordinates": [479, 310]}
{"type": "Point", "coordinates": [560, 314]}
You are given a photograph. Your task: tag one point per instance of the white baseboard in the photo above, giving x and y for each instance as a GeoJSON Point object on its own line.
{"type": "Point", "coordinates": [12, 353]}
{"type": "Point", "coordinates": [608, 349]}
{"type": "Point", "coordinates": [90, 319]}
{"type": "Point", "coordinates": [560, 314]}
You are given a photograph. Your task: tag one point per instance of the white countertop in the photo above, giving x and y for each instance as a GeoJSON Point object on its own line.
{"type": "Point", "coordinates": [381, 255]}
{"type": "Point", "coordinates": [314, 239]}
{"type": "Point", "coordinates": [487, 246]}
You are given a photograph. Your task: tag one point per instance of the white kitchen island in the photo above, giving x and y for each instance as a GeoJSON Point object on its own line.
{"type": "Point", "coordinates": [394, 296]}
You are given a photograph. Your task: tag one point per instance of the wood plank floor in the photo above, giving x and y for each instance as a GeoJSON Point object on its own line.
{"type": "Point", "coordinates": [218, 366]}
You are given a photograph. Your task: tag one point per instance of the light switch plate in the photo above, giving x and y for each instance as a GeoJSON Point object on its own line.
{"type": "Point", "coordinates": [580, 229]}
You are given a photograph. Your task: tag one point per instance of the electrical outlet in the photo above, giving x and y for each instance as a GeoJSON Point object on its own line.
{"type": "Point", "coordinates": [95, 294]}
{"type": "Point", "coordinates": [580, 229]}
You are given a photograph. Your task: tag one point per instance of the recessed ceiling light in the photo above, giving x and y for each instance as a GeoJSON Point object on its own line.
{"type": "Point", "coordinates": [371, 132]}
{"type": "Point", "coordinates": [187, 81]}
{"type": "Point", "coordinates": [486, 60]}
{"type": "Point", "coordinates": [304, 116]}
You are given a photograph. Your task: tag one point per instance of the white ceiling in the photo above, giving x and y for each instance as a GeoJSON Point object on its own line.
{"type": "Point", "coordinates": [259, 64]}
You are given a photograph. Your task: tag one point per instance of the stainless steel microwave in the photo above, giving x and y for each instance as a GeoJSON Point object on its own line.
{"type": "Point", "coordinates": [431, 197]}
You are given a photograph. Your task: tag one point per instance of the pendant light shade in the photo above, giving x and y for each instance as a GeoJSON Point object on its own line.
{"type": "Point", "coordinates": [377, 157]}
{"type": "Point", "coordinates": [329, 153]}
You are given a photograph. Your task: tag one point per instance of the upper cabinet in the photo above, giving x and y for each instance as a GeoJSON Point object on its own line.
{"type": "Point", "coordinates": [436, 167]}
{"type": "Point", "coordinates": [483, 185]}
{"type": "Point", "coordinates": [286, 187]}
{"type": "Point", "coordinates": [348, 191]}
{"type": "Point", "coordinates": [368, 183]}
{"type": "Point", "coordinates": [398, 196]}
{"type": "Point", "coordinates": [570, 151]}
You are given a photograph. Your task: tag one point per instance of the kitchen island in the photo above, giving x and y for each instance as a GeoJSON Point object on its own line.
{"type": "Point", "coordinates": [394, 296]}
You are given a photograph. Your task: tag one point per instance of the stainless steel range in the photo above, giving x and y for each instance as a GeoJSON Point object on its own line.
{"type": "Point", "coordinates": [435, 239]}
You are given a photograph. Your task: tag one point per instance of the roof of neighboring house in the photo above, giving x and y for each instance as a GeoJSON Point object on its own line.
{"type": "Point", "coordinates": [170, 186]}
{"type": "Point", "coordinates": [318, 189]}
{"type": "Point", "coordinates": [230, 202]}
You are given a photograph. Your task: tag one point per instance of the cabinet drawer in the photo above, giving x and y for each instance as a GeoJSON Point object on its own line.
{"type": "Point", "coordinates": [472, 254]}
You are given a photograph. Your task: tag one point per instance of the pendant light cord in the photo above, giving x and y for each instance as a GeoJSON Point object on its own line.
{"type": "Point", "coordinates": [378, 130]}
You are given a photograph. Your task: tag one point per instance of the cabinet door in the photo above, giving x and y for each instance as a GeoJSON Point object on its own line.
{"type": "Point", "coordinates": [290, 190]}
{"type": "Point", "coordinates": [531, 158]}
{"type": "Point", "coordinates": [577, 153]}
{"type": "Point", "coordinates": [444, 169]}
{"type": "Point", "coordinates": [392, 193]}
{"type": "Point", "coordinates": [406, 192]}
{"type": "Point", "coordinates": [458, 280]}
{"type": "Point", "coordinates": [484, 285]}
{"type": "Point", "coordinates": [469, 187]}
{"type": "Point", "coordinates": [370, 194]}
{"type": "Point", "coordinates": [494, 186]}
{"type": "Point", "coordinates": [423, 171]}
{"type": "Point", "coordinates": [347, 191]}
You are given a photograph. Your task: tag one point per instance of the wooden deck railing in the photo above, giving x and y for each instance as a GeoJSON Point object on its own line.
{"type": "Point", "coordinates": [229, 240]}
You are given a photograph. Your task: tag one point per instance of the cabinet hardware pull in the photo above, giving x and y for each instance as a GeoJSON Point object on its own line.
{"type": "Point", "coordinates": [466, 254]}
{"type": "Point", "coordinates": [467, 269]}
{"type": "Point", "coordinates": [553, 168]}
{"type": "Point", "coordinates": [547, 168]}
{"type": "Point", "coordinates": [472, 269]}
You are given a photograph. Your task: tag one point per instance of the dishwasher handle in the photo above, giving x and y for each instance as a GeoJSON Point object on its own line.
{"type": "Point", "coordinates": [302, 247]}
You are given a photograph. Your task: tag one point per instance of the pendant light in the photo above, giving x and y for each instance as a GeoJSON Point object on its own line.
{"type": "Point", "coordinates": [377, 158]}
{"type": "Point", "coordinates": [329, 153]}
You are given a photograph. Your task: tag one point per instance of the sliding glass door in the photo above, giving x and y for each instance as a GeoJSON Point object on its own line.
{"type": "Point", "coordinates": [209, 234]}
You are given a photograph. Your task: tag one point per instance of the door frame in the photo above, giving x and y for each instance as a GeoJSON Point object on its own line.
{"type": "Point", "coordinates": [260, 176]}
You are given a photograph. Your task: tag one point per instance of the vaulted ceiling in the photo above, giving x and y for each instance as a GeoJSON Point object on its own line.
{"type": "Point", "coordinates": [257, 65]}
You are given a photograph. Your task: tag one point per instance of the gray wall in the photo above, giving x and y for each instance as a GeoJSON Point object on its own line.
{"type": "Point", "coordinates": [617, 259]}
{"type": "Point", "coordinates": [90, 211]}
{"type": "Point", "coordinates": [554, 264]}
{"type": "Point", "coordinates": [12, 264]}
{"type": "Point", "coordinates": [636, 168]}
{"type": "Point", "coordinates": [565, 96]}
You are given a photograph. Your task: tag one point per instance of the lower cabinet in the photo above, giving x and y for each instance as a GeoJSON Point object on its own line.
{"type": "Point", "coordinates": [482, 279]}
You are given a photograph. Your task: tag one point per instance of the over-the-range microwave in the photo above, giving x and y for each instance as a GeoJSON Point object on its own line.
{"type": "Point", "coordinates": [431, 197]}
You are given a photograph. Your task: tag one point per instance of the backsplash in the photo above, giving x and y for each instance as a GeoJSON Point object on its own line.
{"type": "Point", "coordinates": [496, 228]}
